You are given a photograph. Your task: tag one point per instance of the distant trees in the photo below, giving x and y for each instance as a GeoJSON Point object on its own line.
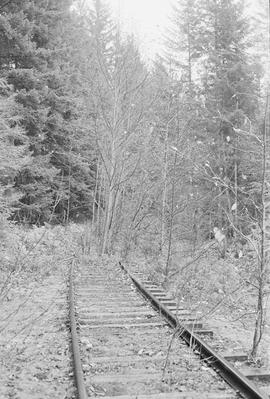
{"type": "Point", "coordinates": [184, 40]}
{"type": "Point", "coordinates": [231, 173]}
{"type": "Point", "coordinates": [224, 82]}
{"type": "Point", "coordinates": [231, 85]}
{"type": "Point", "coordinates": [172, 130]}
{"type": "Point", "coordinates": [114, 102]}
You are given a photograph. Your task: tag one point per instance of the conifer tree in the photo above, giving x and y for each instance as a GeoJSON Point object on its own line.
{"type": "Point", "coordinates": [35, 62]}
{"type": "Point", "coordinates": [184, 40]}
{"type": "Point", "coordinates": [14, 152]}
{"type": "Point", "coordinates": [225, 82]}
{"type": "Point", "coordinates": [231, 83]}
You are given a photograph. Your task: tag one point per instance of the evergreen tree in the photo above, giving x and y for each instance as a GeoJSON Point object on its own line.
{"type": "Point", "coordinates": [36, 62]}
{"type": "Point", "coordinates": [210, 41]}
{"type": "Point", "coordinates": [230, 78]}
{"type": "Point", "coordinates": [231, 83]}
{"type": "Point", "coordinates": [13, 150]}
{"type": "Point", "coordinates": [184, 43]}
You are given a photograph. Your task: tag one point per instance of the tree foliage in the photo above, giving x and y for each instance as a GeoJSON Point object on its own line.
{"type": "Point", "coordinates": [35, 37]}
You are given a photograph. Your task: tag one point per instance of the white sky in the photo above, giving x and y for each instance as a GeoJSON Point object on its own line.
{"type": "Point", "coordinates": [147, 20]}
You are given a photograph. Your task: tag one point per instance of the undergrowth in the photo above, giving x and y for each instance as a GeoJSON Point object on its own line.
{"type": "Point", "coordinates": [29, 254]}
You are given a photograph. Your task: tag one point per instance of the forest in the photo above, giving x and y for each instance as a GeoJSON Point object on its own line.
{"type": "Point", "coordinates": [163, 163]}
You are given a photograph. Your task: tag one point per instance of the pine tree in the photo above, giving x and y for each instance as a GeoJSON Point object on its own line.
{"type": "Point", "coordinates": [231, 93]}
{"type": "Point", "coordinates": [13, 150]}
{"type": "Point", "coordinates": [184, 40]}
{"type": "Point", "coordinates": [36, 62]}
{"type": "Point", "coordinates": [210, 42]}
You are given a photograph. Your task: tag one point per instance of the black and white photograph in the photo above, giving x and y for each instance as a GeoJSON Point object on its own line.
{"type": "Point", "coordinates": [135, 199]}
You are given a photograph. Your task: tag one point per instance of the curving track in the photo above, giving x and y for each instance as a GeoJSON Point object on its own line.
{"type": "Point", "coordinates": [123, 349]}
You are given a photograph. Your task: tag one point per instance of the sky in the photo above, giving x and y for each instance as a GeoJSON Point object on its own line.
{"type": "Point", "coordinates": [146, 19]}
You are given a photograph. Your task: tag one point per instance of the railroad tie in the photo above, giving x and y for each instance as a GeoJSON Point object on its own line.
{"type": "Point", "coordinates": [133, 342]}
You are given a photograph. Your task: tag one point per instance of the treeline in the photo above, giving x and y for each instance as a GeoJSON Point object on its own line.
{"type": "Point", "coordinates": [150, 156]}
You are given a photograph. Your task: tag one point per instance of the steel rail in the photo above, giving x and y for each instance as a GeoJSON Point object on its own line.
{"type": "Point", "coordinates": [229, 373]}
{"type": "Point", "coordinates": [77, 365]}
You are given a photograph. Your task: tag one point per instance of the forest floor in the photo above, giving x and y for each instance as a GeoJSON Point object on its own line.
{"type": "Point", "coordinates": [34, 333]}
{"type": "Point", "coordinates": [35, 360]}
{"type": "Point", "coordinates": [34, 345]}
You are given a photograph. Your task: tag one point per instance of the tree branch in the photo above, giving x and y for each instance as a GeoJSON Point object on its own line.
{"type": "Point", "coordinates": [4, 5]}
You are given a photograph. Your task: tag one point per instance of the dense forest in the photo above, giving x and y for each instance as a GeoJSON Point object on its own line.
{"type": "Point", "coordinates": [165, 157]}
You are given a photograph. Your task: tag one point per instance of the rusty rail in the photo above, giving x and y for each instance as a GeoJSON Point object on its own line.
{"type": "Point", "coordinates": [77, 365]}
{"type": "Point", "coordinates": [229, 373]}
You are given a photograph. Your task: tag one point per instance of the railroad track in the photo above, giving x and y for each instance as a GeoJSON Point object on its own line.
{"type": "Point", "coordinates": [124, 349]}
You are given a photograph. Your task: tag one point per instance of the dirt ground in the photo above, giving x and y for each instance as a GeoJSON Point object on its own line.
{"type": "Point", "coordinates": [34, 340]}
{"type": "Point", "coordinates": [240, 334]}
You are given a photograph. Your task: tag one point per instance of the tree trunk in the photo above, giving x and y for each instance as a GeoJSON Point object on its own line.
{"type": "Point", "coordinates": [265, 236]}
{"type": "Point", "coordinates": [165, 177]}
{"type": "Point", "coordinates": [189, 57]}
{"type": "Point", "coordinates": [164, 194]}
{"type": "Point", "coordinates": [95, 198]}
{"type": "Point", "coordinates": [169, 251]}
{"type": "Point", "coordinates": [107, 221]}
